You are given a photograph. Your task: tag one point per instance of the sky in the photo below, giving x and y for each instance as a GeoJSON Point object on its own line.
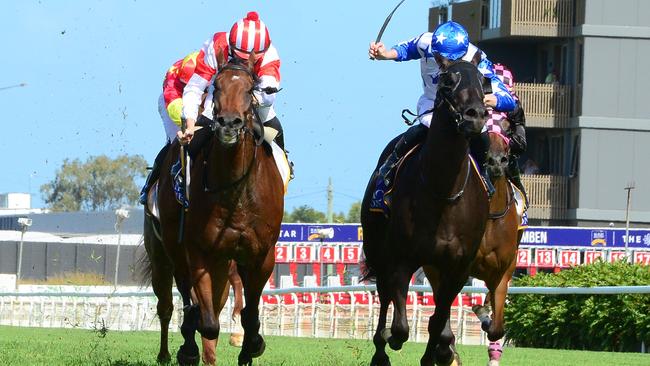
{"type": "Point", "coordinates": [94, 71]}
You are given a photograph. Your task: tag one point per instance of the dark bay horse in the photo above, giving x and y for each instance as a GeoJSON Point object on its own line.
{"type": "Point", "coordinates": [235, 212]}
{"type": "Point", "coordinates": [438, 216]}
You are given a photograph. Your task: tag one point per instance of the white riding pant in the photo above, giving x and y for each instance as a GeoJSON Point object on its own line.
{"type": "Point", "coordinates": [424, 104]}
{"type": "Point", "coordinates": [170, 127]}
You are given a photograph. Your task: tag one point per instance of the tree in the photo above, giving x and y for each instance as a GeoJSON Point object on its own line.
{"type": "Point", "coordinates": [99, 183]}
{"type": "Point", "coordinates": [305, 213]}
{"type": "Point", "coordinates": [354, 214]}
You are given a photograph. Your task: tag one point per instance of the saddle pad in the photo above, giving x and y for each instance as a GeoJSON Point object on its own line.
{"type": "Point", "coordinates": [521, 207]}
{"type": "Point", "coordinates": [282, 164]}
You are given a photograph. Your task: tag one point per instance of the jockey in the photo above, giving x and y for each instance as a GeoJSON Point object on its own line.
{"type": "Point", "coordinates": [247, 36]}
{"type": "Point", "coordinates": [451, 41]}
{"type": "Point", "coordinates": [170, 105]}
{"type": "Point", "coordinates": [516, 133]}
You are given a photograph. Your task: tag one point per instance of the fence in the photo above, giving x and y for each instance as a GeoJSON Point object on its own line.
{"type": "Point", "coordinates": [549, 18]}
{"type": "Point", "coordinates": [548, 195]}
{"type": "Point", "coordinates": [333, 312]}
{"type": "Point", "coordinates": [546, 105]}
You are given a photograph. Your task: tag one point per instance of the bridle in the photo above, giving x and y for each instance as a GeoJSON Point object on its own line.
{"type": "Point", "coordinates": [214, 126]}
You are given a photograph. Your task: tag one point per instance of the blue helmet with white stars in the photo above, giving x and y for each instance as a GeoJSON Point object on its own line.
{"type": "Point", "coordinates": [450, 40]}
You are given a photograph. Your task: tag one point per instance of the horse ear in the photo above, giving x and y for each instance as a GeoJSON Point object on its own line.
{"type": "Point", "coordinates": [442, 61]}
{"type": "Point", "coordinates": [220, 59]}
{"type": "Point", "coordinates": [251, 61]}
{"type": "Point", "coordinates": [477, 58]}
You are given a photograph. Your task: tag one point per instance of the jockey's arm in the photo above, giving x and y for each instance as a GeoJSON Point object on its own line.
{"type": "Point", "coordinates": [378, 51]}
{"type": "Point", "coordinates": [500, 99]}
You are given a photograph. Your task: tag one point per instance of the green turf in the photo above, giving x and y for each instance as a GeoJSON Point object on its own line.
{"type": "Point", "coordinates": [37, 346]}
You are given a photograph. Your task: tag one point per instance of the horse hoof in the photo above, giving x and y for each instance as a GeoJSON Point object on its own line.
{"type": "Point", "coordinates": [259, 349]}
{"type": "Point", "coordinates": [187, 357]}
{"type": "Point", "coordinates": [394, 344]}
{"type": "Point", "coordinates": [380, 360]}
{"type": "Point", "coordinates": [164, 357]}
{"type": "Point", "coordinates": [236, 339]}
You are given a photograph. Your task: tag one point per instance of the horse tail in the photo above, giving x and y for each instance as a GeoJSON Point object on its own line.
{"type": "Point", "coordinates": [144, 265]}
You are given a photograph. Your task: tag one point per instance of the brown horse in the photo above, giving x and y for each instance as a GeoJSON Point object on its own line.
{"type": "Point", "coordinates": [497, 256]}
{"type": "Point", "coordinates": [235, 212]}
{"type": "Point", "coordinates": [438, 215]}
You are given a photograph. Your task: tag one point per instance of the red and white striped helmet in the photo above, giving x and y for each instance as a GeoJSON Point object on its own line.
{"type": "Point", "coordinates": [249, 35]}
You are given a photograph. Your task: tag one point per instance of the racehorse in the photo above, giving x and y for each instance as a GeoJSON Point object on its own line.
{"type": "Point", "coordinates": [235, 211]}
{"type": "Point", "coordinates": [497, 256]}
{"type": "Point", "coordinates": [437, 218]}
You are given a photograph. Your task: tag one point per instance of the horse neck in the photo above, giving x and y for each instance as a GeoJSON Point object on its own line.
{"type": "Point", "coordinates": [230, 165]}
{"type": "Point", "coordinates": [501, 196]}
{"type": "Point", "coordinates": [443, 154]}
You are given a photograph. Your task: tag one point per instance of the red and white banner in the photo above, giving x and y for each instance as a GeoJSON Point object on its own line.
{"type": "Point", "coordinates": [350, 254]}
{"type": "Point", "coordinates": [568, 258]}
{"type": "Point", "coordinates": [592, 256]}
{"type": "Point", "coordinates": [282, 253]}
{"type": "Point", "coordinates": [545, 258]}
{"type": "Point", "coordinates": [616, 256]}
{"type": "Point", "coordinates": [328, 254]}
{"type": "Point", "coordinates": [523, 258]}
{"type": "Point", "coordinates": [304, 254]}
{"type": "Point", "coordinates": [642, 258]}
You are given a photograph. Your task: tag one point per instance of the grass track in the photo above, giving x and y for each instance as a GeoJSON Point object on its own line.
{"type": "Point", "coordinates": [38, 346]}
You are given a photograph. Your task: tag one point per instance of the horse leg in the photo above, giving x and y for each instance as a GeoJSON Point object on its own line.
{"type": "Point", "coordinates": [237, 336]}
{"type": "Point", "coordinates": [399, 329]}
{"type": "Point", "coordinates": [440, 345]}
{"type": "Point", "coordinates": [202, 285]}
{"type": "Point", "coordinates": [220, 289]}
{"type": "Point", "coordinates": [254, 276]}
{"type": "Point", "coordinates": [161, 281]}
{"type": "Point", "coordinates": [380, 358]}
{"type": "Point", "coordinates": [496, 330]}
{"type": "Point", "coordinates": [188, 353]}
{"type": "Point", "coordinates": [482, 312]}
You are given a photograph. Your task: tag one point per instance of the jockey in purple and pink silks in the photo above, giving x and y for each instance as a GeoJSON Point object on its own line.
{"type": "Point", "coordinates": [451, 41]}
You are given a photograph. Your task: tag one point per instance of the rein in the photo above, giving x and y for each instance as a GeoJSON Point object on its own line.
{"type": "Point", "coordinates": [494, 216]}
{"type": "Point", "coordinates": [460, 193]}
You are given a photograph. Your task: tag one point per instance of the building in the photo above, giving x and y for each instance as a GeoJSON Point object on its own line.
{"type": "Point", "coordinates": [582, 79]}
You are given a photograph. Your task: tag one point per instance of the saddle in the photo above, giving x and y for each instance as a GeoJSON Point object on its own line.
{"type": "Point", "coordinates": [381, 198]}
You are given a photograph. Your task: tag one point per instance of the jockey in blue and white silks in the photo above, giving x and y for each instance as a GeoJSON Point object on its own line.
{"type": "Point", "coordinates": [451, 41]}
{"type": "Point", "coordinates": [422, 48]}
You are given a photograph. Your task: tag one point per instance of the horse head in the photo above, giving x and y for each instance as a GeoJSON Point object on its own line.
{"type": "Point", "coordinates": [460, 88]}
{"type": "Point", "coordinates": [497, 158]}
{"type": "Point", "coordinates": [233, 100]}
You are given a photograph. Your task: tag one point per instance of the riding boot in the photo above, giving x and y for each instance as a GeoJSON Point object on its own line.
{"type": "Point", "coordinates": [515, 176]}
{"type": "Point", "coordinates": [479, 147]}
{"type": "Point", "coordinates": [409, 139]}
{"type": "Point", "coordinates": [154, 173]}
{"type": "Point", "coordinates": [276, 127]}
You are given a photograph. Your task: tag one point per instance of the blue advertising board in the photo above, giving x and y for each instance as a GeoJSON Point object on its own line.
{"type": "Point", "coordinates": [533, 236]}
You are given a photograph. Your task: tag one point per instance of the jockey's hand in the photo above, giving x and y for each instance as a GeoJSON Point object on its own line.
{"type": "Point", "coordinates": [490, 100]}
{"type": "Point", "coordinates": [185, 137]}
{"type": "Point", "coordinates": [378, 51]}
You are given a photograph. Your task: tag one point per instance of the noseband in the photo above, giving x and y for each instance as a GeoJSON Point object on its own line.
{"type": "Point", "coordinates": [258, 126]}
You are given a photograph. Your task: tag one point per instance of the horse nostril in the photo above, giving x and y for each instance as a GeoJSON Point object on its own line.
{"type": "Point", "coordinates": [504, 160]}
